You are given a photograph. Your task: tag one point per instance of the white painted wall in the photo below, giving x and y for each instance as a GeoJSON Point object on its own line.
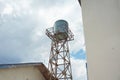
{"type": "Point", "coordinates": [101, 19]}
{"type": "Point", "coordinates": [21, 73]}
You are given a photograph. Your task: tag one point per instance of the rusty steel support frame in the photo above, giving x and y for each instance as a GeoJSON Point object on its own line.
{"type": "Point", "coordinates": [59, 60]}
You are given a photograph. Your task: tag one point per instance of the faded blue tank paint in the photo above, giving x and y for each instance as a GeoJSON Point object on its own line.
{"type": "Point", "coordinates": [61, 26]}
{"type": "Point", "coordinates": [61, 29]}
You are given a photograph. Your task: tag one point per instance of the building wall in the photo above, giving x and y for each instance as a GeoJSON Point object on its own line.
{"type": "Point", "coordinates": [21, 73]}
{"type": "Point", "coordinates": [101, 19]}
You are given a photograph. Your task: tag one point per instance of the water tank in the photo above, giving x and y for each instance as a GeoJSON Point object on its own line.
{"type": "Point", "coordinates": [61, 29]}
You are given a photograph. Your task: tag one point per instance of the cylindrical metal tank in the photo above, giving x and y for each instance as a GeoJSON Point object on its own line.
{"type": "Point", "coordinates": [61, 29]}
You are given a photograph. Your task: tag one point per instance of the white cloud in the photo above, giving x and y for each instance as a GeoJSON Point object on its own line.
{"type": "Point", "coordinates": [8, 9]}
{"type": "Point", "coordinates": [79, 69]}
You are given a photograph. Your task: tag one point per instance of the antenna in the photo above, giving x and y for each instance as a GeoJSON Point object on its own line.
{"type": "Point", "coordinates": [59, 59]}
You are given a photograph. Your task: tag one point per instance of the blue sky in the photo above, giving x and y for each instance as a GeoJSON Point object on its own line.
{"type": "Point", "coordinates": [81, 54]}
{"type": "Point", "coordinates": [22, 31]}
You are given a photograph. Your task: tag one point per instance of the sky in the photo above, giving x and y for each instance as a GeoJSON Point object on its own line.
{"type": "Point", "coordinates": [22, 32]}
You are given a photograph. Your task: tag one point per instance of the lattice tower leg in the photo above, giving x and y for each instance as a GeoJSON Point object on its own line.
{"type": "Point", "coordinates": [59, 61]}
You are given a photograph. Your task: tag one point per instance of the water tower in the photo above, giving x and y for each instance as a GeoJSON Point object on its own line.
{"type": "Point", "coordinates": [59, 60]}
